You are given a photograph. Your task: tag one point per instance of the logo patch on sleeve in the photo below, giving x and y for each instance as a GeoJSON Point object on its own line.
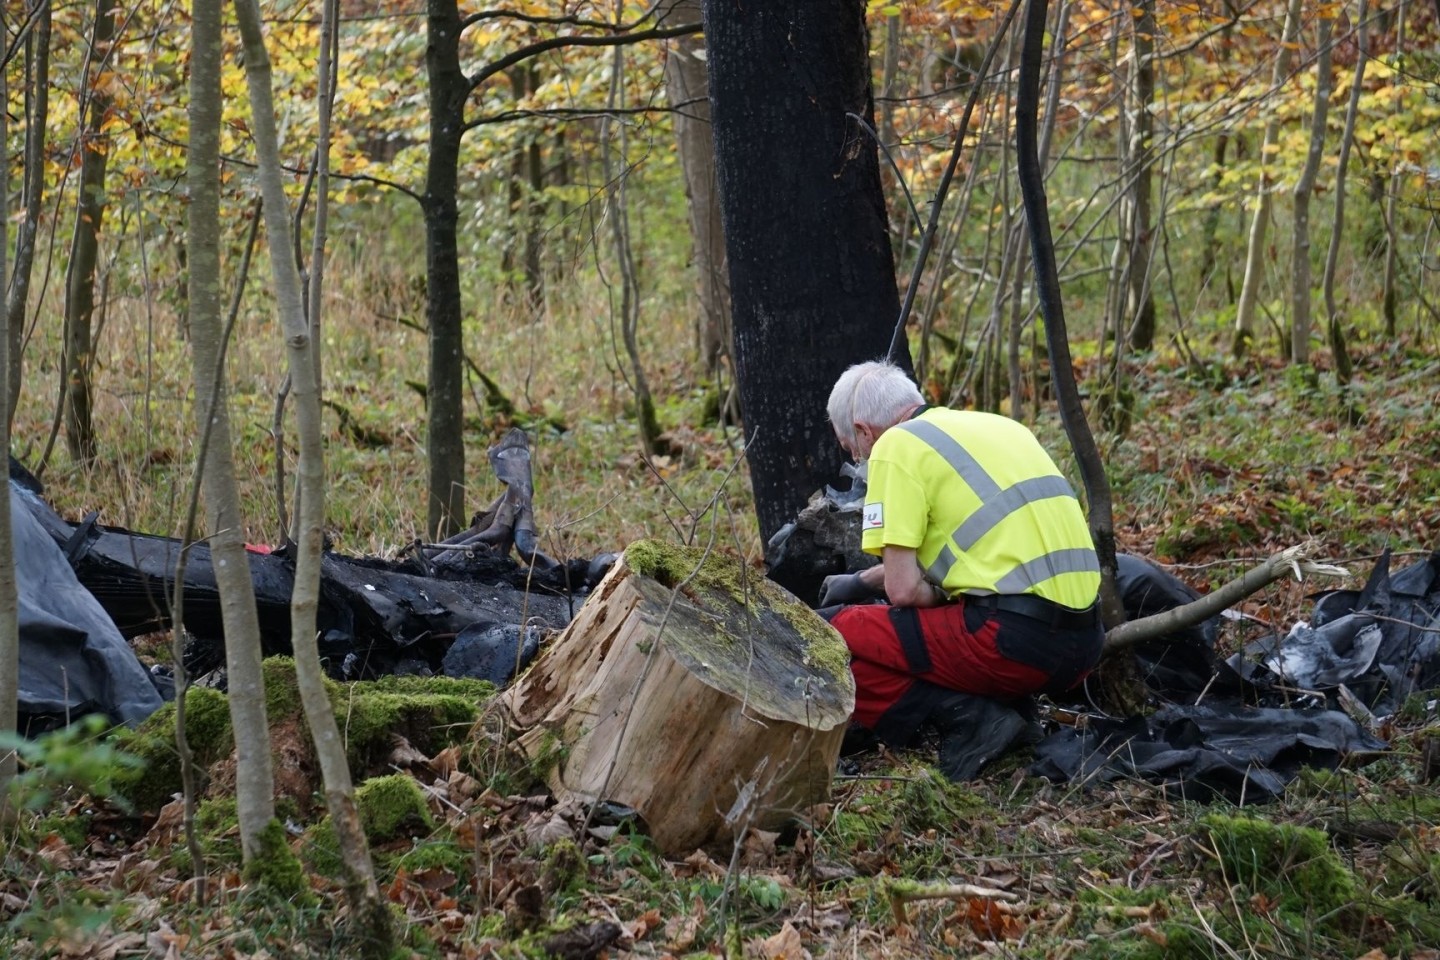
{"type": "Point", "coordinates": [874, 516]}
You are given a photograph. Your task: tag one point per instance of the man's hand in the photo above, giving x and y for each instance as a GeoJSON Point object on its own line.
{"type": "Point", "coordinates": [843, 588]}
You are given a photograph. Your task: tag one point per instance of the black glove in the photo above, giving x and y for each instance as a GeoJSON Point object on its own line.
{"type": "Point", "coordinates": [845, 588]}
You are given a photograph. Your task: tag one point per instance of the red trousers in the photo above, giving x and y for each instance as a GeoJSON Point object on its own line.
{"type": "Point", "coordinates": [958, 647]}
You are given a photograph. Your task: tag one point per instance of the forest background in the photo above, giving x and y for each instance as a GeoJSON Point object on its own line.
{"type": "Point", "coordinates": [1258, 361]}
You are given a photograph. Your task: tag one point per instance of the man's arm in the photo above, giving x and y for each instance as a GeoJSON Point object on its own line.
{"type": "Point", "coordinates": [903, 582]}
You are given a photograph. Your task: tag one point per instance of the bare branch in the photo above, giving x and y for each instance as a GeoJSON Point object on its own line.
{"type": "Point", "coordinates": [556, 43]}
{"type": "Point", "coordinates": [1294, 560]}
{"type": "Point", "coordinates": [582, 113]}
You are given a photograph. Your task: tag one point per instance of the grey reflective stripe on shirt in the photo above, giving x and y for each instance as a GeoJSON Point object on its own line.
{"type": "Point", "coordinates": [957, 456]}
{"type": "Point", "coordinates": [996, 504]}
{"type": "Point", "coordinates": [1042, 568]}
{"type": "Point", "coordinates": [1006, 502]}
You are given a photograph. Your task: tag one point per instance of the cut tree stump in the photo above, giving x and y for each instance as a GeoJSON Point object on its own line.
{"type": "Point", "coordinates": [692, 690]}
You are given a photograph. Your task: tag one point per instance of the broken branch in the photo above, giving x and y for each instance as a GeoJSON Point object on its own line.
{"type": "Point", "coordinates": [1294, 560]}
{"type": "Point", "coordinates": [905, 892]}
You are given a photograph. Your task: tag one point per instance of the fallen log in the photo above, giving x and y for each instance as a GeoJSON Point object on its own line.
{"type": "Point", "coordinates": [691, 690]}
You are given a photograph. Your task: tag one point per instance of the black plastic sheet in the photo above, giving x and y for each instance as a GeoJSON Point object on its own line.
{"type": "Point", "coordinates": [73, 660]}
{"type": "Point", "coordinates": [1244, 754]}
{"type": "Point", "coordinates": [1381, 643]}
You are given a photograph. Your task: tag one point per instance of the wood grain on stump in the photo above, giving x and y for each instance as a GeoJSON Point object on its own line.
{"type": "Point", "coordinates": [693, 690]}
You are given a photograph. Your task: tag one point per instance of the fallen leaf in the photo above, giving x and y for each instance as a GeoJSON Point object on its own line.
{"type": "Point", "coordinates": [640, 927]}
{"type": "Point", "coordinates": [785, 945]}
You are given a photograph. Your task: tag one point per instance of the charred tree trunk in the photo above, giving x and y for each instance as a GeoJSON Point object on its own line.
{"type": "Point", "coordinates": [444, 425]}
{"type": "Point", "coordinates": [692, 690]}
{"type": "Point", "coordinates": [1052, 308]}
{"type": "Point", "coordinates": [811, 272]}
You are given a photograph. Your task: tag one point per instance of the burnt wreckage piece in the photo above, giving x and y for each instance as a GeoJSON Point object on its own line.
{"type": "Point", "coordinates": [375, 616]}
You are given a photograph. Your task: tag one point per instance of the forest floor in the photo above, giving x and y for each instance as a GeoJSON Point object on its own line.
{"type": "Point", "coordinates": [1215, 470]}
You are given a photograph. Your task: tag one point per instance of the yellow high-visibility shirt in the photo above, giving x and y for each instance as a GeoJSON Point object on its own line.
{"type": "Point", "coordinates": [983, 505]}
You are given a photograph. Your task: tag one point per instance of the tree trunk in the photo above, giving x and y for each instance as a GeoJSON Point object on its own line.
{"type": "Point", "coordinates": [37, 117]}
{"type": "Point", "coordinates": [1210, 245]}
{"type": "Point", "coordinates": [1142, 126]}
{"type": "Point", "coordinates": [806, 233]}
{"type": "Point", "coordinates": [445, 424]}
{"type": "Point", "coordinates": [692, 690]}
{"type": "Point", "coordinates": [1343, 369]}
{"type": "Point", "coordinates": [254, 791]}
{"type": "Point", "coordinates": [1052, 308]}
{"type": "Point", "coordinates": [9, 600]}
{"type": "Point", "coordinates": [688, 91]}
{"type": "Point", "coordinates": [1300, 253]}
{"type": "Point", "coordinates": [1255, 250]}
{"type": "Point", "coordinates": [85, 243]}
{"type": "Point", "coordinates": [370, 912]}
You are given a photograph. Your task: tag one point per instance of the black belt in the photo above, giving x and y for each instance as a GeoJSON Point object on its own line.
{"type": "Point", "coordinates": [1038, 608]}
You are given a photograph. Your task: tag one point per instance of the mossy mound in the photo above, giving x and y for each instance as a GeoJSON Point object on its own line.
{"type": "Point", "coordinates": [437, 852]}
{"type": "Point", "coordinates": [430, 712]}
{"type": "Point", "coordinates": [1292, 865]}
{"type": "Point", "coordinates": [276, 867]}
{"type": "Point", "coordinates": [391, 807]}
{"type": "Point", "coordinates": [207, 730]}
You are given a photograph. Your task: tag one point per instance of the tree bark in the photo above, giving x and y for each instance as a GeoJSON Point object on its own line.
{"type": "Point", "coordinates": [370, 912]}
{"type": "Point", "coordinates": [688, 90]}
{"type": "Point", "coordinates": [9, 599]}
{"type": "Point", "coordinates": [1052, 308]}
{"type": "Point", "coordinates": [85, 242]}
{"type": "Point", "coordinates": [1343, 369]}
{"type": "Point", "coordinates": [1255, 249]}
{"type": "Point", "coordinates": [692, 690]}
{"type": "Point", "coordinates": [1141, 155]}
{"type": "Point", "coordinates": [1300, 253]}
{"type": "Point", "coordinates": [37, 116]}
{"type": "Point", "coordinates": [811, 272]}
{"type": "Point", "coordinates": [444, 425]}
{"type": "Point", "coordinates": [254, 792]}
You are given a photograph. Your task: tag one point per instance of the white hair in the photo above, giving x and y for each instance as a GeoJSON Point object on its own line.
{"type": "Point", "coordinates": [877, 394]}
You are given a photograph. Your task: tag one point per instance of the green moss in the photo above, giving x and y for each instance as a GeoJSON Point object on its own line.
{"type": "Point", "coordinates": [276, 867]}
{"type": "Point", "coordinates": [924, 802]}
{"type": "Point", "coordinates": [1120, 896]}
{"type": "Point", "coordinates": [218, 825]}
{"type": "Point", "coordinates": [282, 690]}
{"type": "Point", "coordinates": [565, 869]}
{"type": "Point", "coordinates": [392, 806]}
{"type": "Point", "coordinates": [73, 829]}
{"type": "Point", "coordinates": [370, 718]}
{"type": "Point", "coordinates": [477, 690]}
{"type": "Point", "coordinates": [207, 730]}
{"type": "Point", "coordinates": [437, 853]}
{"type": "Point", "coordinates": [320, 849]}
{"type": "Point", "coordinates": [672, 565]}
{"type": "Point", "coordinates": [1294, 865]}
{"type": "Point", "coordinates": [430, 712]}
